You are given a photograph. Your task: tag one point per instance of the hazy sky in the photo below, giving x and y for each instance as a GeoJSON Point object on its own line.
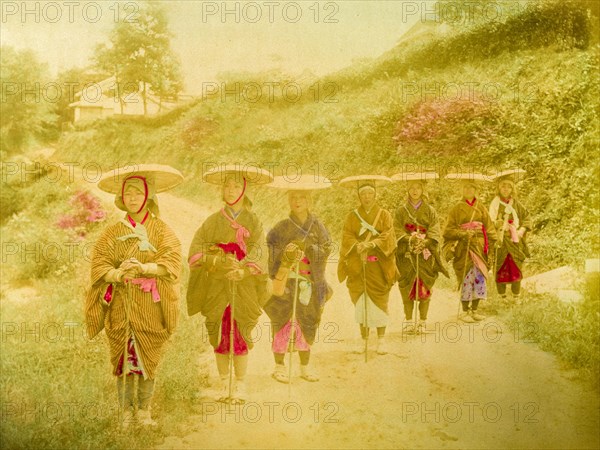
{"type": "Point", "coordinates": [294, 36]}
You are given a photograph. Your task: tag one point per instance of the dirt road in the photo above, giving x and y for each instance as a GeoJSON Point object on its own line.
{"type": "Point", "coordinates": [459, 386]}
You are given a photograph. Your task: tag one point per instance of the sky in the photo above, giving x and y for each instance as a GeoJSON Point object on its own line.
{"type": "Point", "coordinates": [215, 36]}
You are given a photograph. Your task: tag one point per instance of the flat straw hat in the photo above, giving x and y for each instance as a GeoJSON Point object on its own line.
{"type": "Point", "coordinates": [514, 175]}
{"type": "Point", "coordinates": [163, 177]}
{"type": "Point", "coordinates": [468, 176]}
{"type": "Point", "coordinates": [303, 183]}
{"type": "Point", "coordinates": [415, 176]}
{"type": "Point", "coordinates": [253, 175]}
{"type": "Point", "coordinates": [357, 181]}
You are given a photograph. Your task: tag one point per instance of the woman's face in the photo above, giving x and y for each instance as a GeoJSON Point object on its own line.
{"type": "Point", "coordinates": [367, 198]}
{"type": "Point", "coordinates": [505, 189]}
{"type": "Point", "coordinates": [299, 202]}
{"type": "Point", "coordinates": [469, 191]}
{"type": "Point", "coordinates": [232, 189]}
{"type": "Point", "coordinates": [415, 191]}
{"type": "Point", "coordinates": [133, 199]}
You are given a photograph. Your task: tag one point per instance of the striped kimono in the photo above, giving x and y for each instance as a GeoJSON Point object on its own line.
{"type": "Point", "coordinates": [153, 305]}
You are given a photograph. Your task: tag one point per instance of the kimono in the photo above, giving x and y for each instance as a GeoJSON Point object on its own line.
{"type": "Point", "coordinates": [471, 268]}
{"type": "Point", "coordinates": [380, 268]}
{"type": "Point", "coordinates": [408, 222]}
{"type": "Point", "coordinates": [210, 292]}
{"type": "Point", "coordinates": [313, 238]}
{"type": "Point", "coordinates": [152, 301]}
{"type": "Point", "coordinates": [513, 250]}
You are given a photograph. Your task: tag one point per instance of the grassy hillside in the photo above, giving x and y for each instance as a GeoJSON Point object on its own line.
{"type": "Point", "coordinates": [474, 101]}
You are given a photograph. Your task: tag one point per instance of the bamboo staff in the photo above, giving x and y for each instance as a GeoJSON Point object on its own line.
{"type": "Point", "coordinates": [292, 338]}
{"type": "Point", "coordinates": [125, 366]}
{"type": "Point", "coordinates": [231, 337]}
{"type": "Point", "coordinates": [364, 267]}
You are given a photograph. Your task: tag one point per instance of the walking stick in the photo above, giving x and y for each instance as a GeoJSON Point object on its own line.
{"type": "Point", "coordinates": [364, 264]}
{"type": "Point", "coordinates": [125, 367]}
{"type": "Point", "coordinates": [416, 292]}
{"type": "Point", "coordinates": [499, 243]}
{"type": "Point", "coordinates": [231, 337]}
{"type": "Point", "coordinates": [292, 338]}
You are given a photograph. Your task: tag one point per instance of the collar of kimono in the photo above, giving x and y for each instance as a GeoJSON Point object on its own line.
{"type": "Point", "coordinates": [240, 197]}
{"type": "Point", "coordinates": [234, 214]}
{"type": "Point", "coordinates": [145, 191]}
{"type": "Point", "coordinates": [241, 233]}
{"type": "Point", "coordinates": [133, 223]}
{"type": "Point", "coordinates": [300, 226]}
{"type": "Point", "coordinates": [415, 205]}
{"type": "Point", "coordinates": [505, 200]}
{"type": "Point", "coordinates": [471, 203]}
{"type": "Point", "coordinates": [365, 226]}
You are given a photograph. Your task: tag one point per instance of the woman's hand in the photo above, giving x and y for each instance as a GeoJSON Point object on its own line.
{"type": "Point", "coordinates": [226, 263]}
{"type": "Point", "coordinates": [292, 253]}
{"type": "Point", "coordinates": [236, 275]}
{"type": "Point", "coordinates": [362, 247]}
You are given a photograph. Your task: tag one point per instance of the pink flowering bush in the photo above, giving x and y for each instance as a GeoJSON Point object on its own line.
{"type": "Point", "coordinates": [454, 125]}
{"type": "Point", "coordinates": [86, 211]}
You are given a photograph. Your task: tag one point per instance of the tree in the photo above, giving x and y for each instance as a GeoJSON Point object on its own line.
{"type": "Point", "coordinates": [24, 109]}
{"type": "Point", "coordinates": [140, 56]}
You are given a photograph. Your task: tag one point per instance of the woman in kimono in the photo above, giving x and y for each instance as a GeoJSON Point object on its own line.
{"type": "Point", "coordinates": [228, 276]}
{"type": "Point", "coordinates": [512, 222]}
{"type": "Point", "coordinates": [468, 237]}
{"type": "Point", "coordinates": [367, 258]}
{"type": "Point", "coordinates": [417, 229]}
{"type": "Point", "coordinates": [299, 247]}
{"type": "Point", "coordinates": [134, 294]}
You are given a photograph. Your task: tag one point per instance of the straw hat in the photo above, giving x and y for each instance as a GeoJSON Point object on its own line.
{"type": "Point", "coordinates": [305, 182]}
{"type": "Point", "coordinates": [361, 180]}
{"type": "Point", "coordinates": [161, 176]}
{"type": "Point", "coordinates": [513, 175]}
{"type": "Point", "coordinates": [415, 176]}
{"type": "Point", "coordinates": [253, 175]}
{"type": "Point", "coordinates": [468, 176]}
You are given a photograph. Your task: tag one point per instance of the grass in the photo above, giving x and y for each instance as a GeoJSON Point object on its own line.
{"type": "Point", "coordinates": [57, 386]}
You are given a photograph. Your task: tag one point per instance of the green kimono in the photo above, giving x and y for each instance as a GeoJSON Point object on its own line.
{"type": "Point", "coordinates": [424, 221]}
{"type": "Point", "coordinates": [209, 292]}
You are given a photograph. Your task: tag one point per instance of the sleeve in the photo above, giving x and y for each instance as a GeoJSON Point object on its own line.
{"type": "Point", "coordinates": [525, 218]}
{"type": "Point", "coordinates": [399, 222]}
{"type": "Point", "coordinates": [103, 257]}
{"type": "Point", "coordinates": [169, 253]}
{"type": "Point", "coordinates": [349, 237]}
{"type": "Point", "coordinates": [169, 256]}
{"type": "Point", "coordinates": [103, 260]}
{"type": "Point", "coordinates": [386, 240]}
{"type": "Point", "coordinates": [433, 230]}
{"type": "Point", "coordinates": [257, 259]}
{"type": "Point", "coordinates": [489, 227]}
{"type": "Point", "coordinates": [452, 231]}
{"type": "Point", "coordinates": [200, 247]}
{"type": "Point", "coordinates": [275, 247]}
{"type": "Point", "coordinates": [320, 244]}
{"type": "Point", "coordinates": [198, 277]}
